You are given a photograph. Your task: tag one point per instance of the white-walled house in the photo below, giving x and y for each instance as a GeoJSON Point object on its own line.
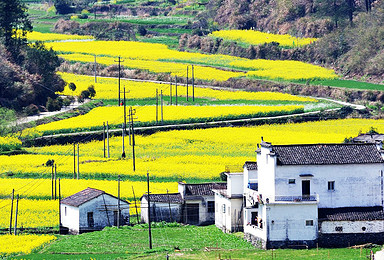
{"type": "Point", "coordinates": [330, 194]}
{"type": "Point", "coordinates": [193, 204]}
{"type": "Point", "coordinates": [229, 204]}
{"type": "Point", "coordinates": [92, 209]}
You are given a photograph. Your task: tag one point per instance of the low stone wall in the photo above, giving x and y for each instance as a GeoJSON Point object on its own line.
{"type": "Point", "coordinates": [345, 240]}
{"type": "Point", "coordinates": [255, 241]}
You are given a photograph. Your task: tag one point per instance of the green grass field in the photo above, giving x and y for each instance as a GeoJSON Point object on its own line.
{"type": "Point", "coordinates": [352, 84]}
{"type": "Point", "coordinates": [179, 242]}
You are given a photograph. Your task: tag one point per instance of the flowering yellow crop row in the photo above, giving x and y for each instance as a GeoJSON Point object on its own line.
{"type": "Point", "coordinates": [256, 37]}
{"type": "Point", "coordinates": [199, 154]}
{"type": "Point", "coordinates": [158, 58]}
{"type": "Point", "coordinates": [22, 244]}
{"type": "Point", "coordinates": [115, 115]}
{"type": "Point", "coordinates": [8, 143]}
{"type": "Point", "coordinates": [46, 37]}
{"type": "Point", "coordinates": [42, 188]}
{"type": "Point", "coordinates": [106, 88]}
{"type": "Point", "coordinates": [31, 213]}
{"type": "Point", "coordinates": [175, 69]}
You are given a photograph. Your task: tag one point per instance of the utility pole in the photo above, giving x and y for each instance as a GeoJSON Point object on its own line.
{"type": "Point", "coordinates": [10, 222]}
{"type": "Point", "coordinates": [161, 104]}
{"type": "Point", "coordinates": [108, 139]}
{"type": "Point", "coordinates": [17, 209]}
{"type": "Point", "coordinates": [134, 198]}
{"type": "Point", "coordinates": [170, 90]}
{"type": "Point", "coordinates": [118, 202]}
{"type": "Point", "coordinates": [149, 214]}
{"type": "Point", "coordinates": [104, 137]}
{"type": "Point", "coordinates": [125, 114]}
{"type": "Point", "coordinates": [95, 70]}
{"type": "Point", "coordinates": [123, 136]}
{"type": "Point", "coordinates": [157, 106]}
{"type": "Point", "coordinates": [193, 84]}
{"type": "Point", "coordinates": [59, 206]}
{"type": "Point", "coordinates": [176, 89]}
{"type": "Point", "coordinates": [55, 182]}
{"type": "Point", "coordinates": [52, 179]}
{"type": "Point", "coordinates": [119, 61]}
{"type": "Point", "coordinates": [78, 161]}
{"type": "Point", "coordinates": [74, 162]}
{"type": "Point", "coordinates": [169, 206]}
{"type": "Point", "coordinates": [131, 114]}
{"type": "Point", "coordinates": [187, 82]}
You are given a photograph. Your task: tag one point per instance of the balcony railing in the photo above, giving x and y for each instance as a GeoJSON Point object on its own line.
{"type": "Point", "coordinates": [297, 198]}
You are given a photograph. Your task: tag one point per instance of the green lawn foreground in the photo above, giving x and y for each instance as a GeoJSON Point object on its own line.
{"type": "Point", "coordinates": [178, 241]}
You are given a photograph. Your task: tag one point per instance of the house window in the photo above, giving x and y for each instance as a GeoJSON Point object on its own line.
{"type": "Point", "coordinates": [339, 229]}
{"type": "Point", "coordinates": [91, 222]}
{"type": "Point", "coordinates": [223, 208]}
{"type": "Point", "coordinates": [65, 211]}
{"type": "Point", "coordinates": [309, 222]}
{"type": "Point", "coordinates": [254, 218]}
{"type": "Point", "coordinates": [291, 181]}
{"type": "Point", "coordinates": [331, 185]}
{"type": "Point", "coordinates": [211, 206]}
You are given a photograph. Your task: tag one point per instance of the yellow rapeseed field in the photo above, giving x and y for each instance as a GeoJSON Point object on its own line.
{"type": "Point", "coordinates": [184, 154]}
{"type": "Point", "coordinates": [9, 143]}
{"type": "Point", "coordinates": [158, 58]}
{"type": "Point", "coordinates": [23, 244]}
{"type": "Point", "coordinates": [256, 38]}
{"type": "Point", "coordinates": [115, 115]}
{"type": "Point", "coordinates": [106, 88]}
{"type": "Point", "coordinates": [48, 37]}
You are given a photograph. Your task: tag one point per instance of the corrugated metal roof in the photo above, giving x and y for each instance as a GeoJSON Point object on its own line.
{"type": "Point", "coordinates": [351, 214]}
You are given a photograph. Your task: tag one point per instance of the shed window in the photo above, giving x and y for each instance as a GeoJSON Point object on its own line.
{"type": "Point", "coordinates": [211, 206]}
{"type": "Point", "coordinates": [291, 181]}
{"type": "Point", "coordinates": [91, 222]}
{"type": "Point", "coordinates": [65, 211]}
{"type": "Point", "coordinates": [331, 185]}
{"type": "Point", "coordinates": [309, 222]}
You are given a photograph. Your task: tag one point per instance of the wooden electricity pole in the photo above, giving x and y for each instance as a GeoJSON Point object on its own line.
{"type": "Point", "coordinates": [176, 90]}
{"type": "Point", "coordinates": [17, 210]}
{"type": "Point", "coordinates": [104, 137]}
{"type": "Point", "coordinates": [78, 161]}
{"type": "Point", "coordinates": [10, 222]}
{"type": "Point", "coordinates": [170, 90]}
{"type": "Point", "coordinates": [54, 176]}
{"type": "Point", "coordinates": [169, 206]}
{"type": "Point", "coordinates": [193, 84]}
{"type": "Point", "coordinates": [119, 61]}
{"type": "Point", "coordinates": [107, 139]}
{"type": "Point", "coordinates": [134, 198]}
{"type": "Point", "coordinates": [118, 202]}
{"type": "Point", "coordinates": [161, 105]}
{"type": "Point", "coordinates": [95, 70]}
{"type": "Point", "coordinates": [187, 82]}
{"type": "Point", "coordinates": [157, 106]}
{"type": "Point", "coordinates": [149, 214]}
{"type": "Point", "coordinates": [74, 161]}
{"type": "Point", "coordinates": [131, 114]}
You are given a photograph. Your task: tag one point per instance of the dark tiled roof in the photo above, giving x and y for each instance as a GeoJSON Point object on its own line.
{"type": "Point", "coordinates": [251, 165]}
{"type": "Point", "coordinates": [81, 197]}
{"type": "Point", "coordinates": [166, 198]}
{"type": "Point", "coordinates": [351, 214]}
{"type": "Point", "coordinates": [319, 154]}
{"type": "Point", "coordinates": [369, 138]}
{"type": "Point", "coordinates": [203, 188]}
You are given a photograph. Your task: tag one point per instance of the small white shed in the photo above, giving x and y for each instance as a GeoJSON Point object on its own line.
{"type": "Point", "coordinates": [92, 209]}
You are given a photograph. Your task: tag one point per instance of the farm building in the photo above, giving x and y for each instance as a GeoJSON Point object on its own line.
{"type": "Point", "coordinates": [301, 195]}
{"type": "Point", "coordinates": [92, 209]}
{"type": "Point", "coordinates": [193, 204]}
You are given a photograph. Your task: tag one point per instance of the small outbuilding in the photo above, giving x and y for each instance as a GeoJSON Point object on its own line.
{"type": "Point", "coordinates": [91, 210]}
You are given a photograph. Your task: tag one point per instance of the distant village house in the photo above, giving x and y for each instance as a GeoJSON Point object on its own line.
{"type": "Point", "coordinates": [92, 209]}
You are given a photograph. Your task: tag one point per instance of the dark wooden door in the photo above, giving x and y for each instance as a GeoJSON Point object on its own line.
{"type": "Point", "coordinates": [193, 213]}
{"type": "Point", "coordinates": [306, 188]}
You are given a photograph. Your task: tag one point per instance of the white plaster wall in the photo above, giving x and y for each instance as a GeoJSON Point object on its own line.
{"type": "Point", "coordinates": [266, 172]}
{"type": "Point", "coordinates": [235, 184]}
{"type": "Point", "coordinates": [374, 226]}
{"type": "Point", "coordinates": [254, 230]}
{"type": "Point", "coordinates": [144, 210]}
{"type": "Point", "coordinates": [99, 213]}
{"type": "Point", "coordinates": [220, 216]}
{"type": "Point", "coordinates": [249, 175]}
{"type": "Point", "coordinates": [288, 221]}
{"type": "Point", "coordinates": [71, 219]}
{"type": "Point", "coordinates": [356, 185]}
